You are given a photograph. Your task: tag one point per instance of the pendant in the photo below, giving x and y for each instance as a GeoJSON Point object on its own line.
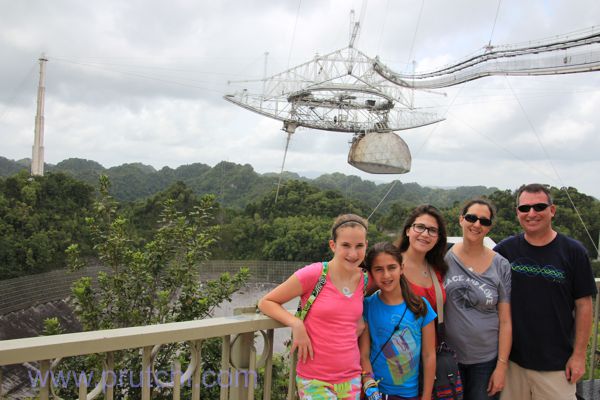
{"type": "Point", "coordinates": [346, 291]}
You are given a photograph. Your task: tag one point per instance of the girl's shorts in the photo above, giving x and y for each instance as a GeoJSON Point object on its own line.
{"type": "Point", "coordinates": [314, 389]}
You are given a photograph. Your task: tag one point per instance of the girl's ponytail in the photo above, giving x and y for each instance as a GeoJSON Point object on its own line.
{"type": "Point", "coordinates": [413, 302]}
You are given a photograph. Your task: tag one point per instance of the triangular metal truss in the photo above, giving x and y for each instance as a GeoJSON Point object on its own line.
{"type": "Point", "coordinates": [338, 92]}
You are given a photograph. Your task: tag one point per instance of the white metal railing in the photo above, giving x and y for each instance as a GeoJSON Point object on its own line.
{"type": "Point", "coordinates": [238, 355]}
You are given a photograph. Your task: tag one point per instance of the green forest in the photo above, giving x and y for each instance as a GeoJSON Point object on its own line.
{"type": "Point", "coordinates": [40, 217]}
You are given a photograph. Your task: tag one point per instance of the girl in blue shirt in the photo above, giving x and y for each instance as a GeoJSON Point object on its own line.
{"type": "Point", "coordinates": [399, 333]}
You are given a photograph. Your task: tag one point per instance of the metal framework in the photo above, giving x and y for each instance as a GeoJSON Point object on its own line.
{"type": "Point", "coordinates": [565, 54]}
{"type": "Point", "coordinates": [338, 92]}
{"type": "Point", "coordinates": [347, 91]}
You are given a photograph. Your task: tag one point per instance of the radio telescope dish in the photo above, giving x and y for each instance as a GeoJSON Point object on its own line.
{"type": "Point", "coordinates": [339, 92]}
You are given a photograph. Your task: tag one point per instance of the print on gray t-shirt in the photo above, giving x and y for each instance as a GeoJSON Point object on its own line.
{"type": "Point", "coordinates": [471, 313]}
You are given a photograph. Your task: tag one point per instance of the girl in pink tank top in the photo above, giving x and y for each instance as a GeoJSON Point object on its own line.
{"type": "Point", "coordinates": [326, 338]}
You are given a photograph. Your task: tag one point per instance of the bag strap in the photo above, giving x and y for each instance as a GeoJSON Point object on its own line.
{"type": "Point", "coordinates": [302, 311]}
{"type": "Point", "coordinates": [439, 298]}
{"type": "Point", "coordinates": [392, 334]}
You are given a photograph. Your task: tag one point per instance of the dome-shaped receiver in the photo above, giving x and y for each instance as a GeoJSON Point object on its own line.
{"type": "Point", "coordinates": [380, 153]}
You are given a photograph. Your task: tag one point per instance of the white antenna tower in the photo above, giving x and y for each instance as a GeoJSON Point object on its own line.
{"type": "Point", "coordinates": [37, 158]}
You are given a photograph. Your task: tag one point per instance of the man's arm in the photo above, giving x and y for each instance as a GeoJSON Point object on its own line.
{"type": "Point", "coordinates": [575, 367]}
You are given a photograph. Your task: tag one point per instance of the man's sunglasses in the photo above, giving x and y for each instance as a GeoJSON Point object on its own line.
{"type": "Point", "coordinates": [539, 207]}
{"type": "Point", "coordinates": [473, 218]}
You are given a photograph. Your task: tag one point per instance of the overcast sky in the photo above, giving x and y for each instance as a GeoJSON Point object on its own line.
{"type": "Point", "coordinates": [143, 80]}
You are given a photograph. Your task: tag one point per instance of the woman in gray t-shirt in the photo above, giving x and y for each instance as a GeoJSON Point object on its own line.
{"type": "Point", "coordinates": [477, 311]}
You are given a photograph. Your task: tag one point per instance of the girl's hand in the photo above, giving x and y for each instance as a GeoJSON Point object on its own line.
{"type": "Point", "coordinates": [301, 341]}
{"type": "Point", "coordinates": [426, 396]}
{"type": "Point", "coordinates": [497, 379]}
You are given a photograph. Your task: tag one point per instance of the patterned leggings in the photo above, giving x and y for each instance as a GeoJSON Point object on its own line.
{"type": "Point", "coordinates": [314, 389]}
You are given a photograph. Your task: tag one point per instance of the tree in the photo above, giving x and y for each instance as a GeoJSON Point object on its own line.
{"type": "Point", "coordinates": [152, 284]}
{"type": "Point", "coordinates": [300, 198]}
{"type": "Point", "coordinates": [298, 238]}
{"type": "Point", "coordinates": [39, 217]}
{"type": "Point", "coordinates": [506, 223]}
{"type": "Point", "coordinates": [577, 215]}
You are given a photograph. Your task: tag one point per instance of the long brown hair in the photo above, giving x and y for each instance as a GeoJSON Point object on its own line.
{"type": "Point", "coordinates": [413, 302]}
{"type": "Point", "coordinates": [435, 256]}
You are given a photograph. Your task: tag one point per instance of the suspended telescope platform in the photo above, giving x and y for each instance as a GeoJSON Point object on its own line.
{"type": "Point", "coordinates": [348, 91]}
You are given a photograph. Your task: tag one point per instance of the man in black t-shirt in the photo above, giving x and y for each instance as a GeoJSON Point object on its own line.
{"type": "Point", "coordinates": [551, 303]}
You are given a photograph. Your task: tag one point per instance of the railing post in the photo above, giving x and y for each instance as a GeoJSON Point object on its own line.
{"type": "Point", "coordinates": [240, 358]}
{"type": "Point", "coordinates": [177, 379]}
{"type": "Point", "coordinates": [291, 395]}
{"type": "Point", "coordinates": [252, 374]}
{"type": "Point", "coordinates": [82, 386]}
{"type": "Point", "coordinates": [45, 379]}
{"type": "Point", "coordinates": [110, 376]}
{"type": "Point", "coordinates": [268, 380]}
{"type": "Point", "coordinates": [594, 336]}
{"type": "Point", "coordinates": [225, 355]}
{"type": "Point", "coordinates": [146, 372]}
{"type": "Point", "coordinates": [196, 347]}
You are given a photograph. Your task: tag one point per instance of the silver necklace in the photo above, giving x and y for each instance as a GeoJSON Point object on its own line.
{"type": "Point", "coordinates": [345, 290]}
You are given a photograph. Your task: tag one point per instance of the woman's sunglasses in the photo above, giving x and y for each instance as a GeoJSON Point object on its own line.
{"type": "Point", "coordinates": [474, 218]}
{"type": "Point", "coordinates": [539, 207]}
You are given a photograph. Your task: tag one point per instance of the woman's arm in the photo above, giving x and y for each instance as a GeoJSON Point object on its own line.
{"type": "Point", "coordinates": [428, 359]}
{"type": "Point", "coordinates": [496, 383]}
{"type": "Point", "coordinates": [272, 305]}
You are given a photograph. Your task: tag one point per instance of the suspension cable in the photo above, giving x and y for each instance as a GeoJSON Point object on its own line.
{"type": "Point", "coordinates": [494, 24]}
{"type": "Point", "coordinates": [294, 34]}
{"type": "Point", "coordinates": [412, 45]}
{"type": "Point", "coordinates": [422, 144]}
{"type": "Point", "coordinates": [387, 8]}
{"type": "Point", "coordinates": [563, 187]}
{"type": "Point", "coordinates": [383, 199]}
